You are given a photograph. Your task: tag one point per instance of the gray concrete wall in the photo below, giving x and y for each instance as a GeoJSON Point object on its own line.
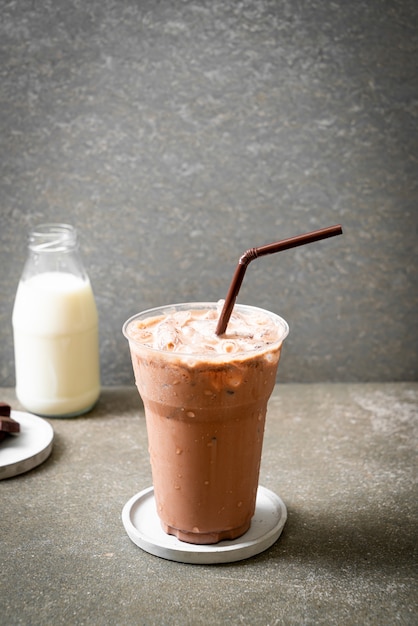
{"type": "Point", "coordinates": [175, 135]}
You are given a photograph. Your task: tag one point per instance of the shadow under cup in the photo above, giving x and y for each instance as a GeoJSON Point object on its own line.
{"type": "Point", "coordinates": [205, 416]}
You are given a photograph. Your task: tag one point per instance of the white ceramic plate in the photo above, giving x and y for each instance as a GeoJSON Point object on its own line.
{"type": "Point", "coordinates": [28, 449]}
{"type": "Point", "coordinates": [141, 522]}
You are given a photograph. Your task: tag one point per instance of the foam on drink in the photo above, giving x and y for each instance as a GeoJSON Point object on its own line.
{"type": "Point", "coordinates": [193, 332]}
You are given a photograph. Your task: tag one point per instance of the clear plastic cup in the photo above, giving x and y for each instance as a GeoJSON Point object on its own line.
{"type": "Point", "coordinates": [205, 415]}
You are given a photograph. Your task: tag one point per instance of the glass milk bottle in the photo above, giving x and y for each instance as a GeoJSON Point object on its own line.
{"type": "Point", "coordinates": [55, 327]}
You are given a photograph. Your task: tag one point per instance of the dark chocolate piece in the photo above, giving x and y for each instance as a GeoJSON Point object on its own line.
{"type": "Point", "coordinates": [5, 409]}
{"type": "Point", "coordinates": [9, 425]}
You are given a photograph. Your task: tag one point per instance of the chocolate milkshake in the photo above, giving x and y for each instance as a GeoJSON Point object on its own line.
{"type": "Point", "coordinates": [205, 399]}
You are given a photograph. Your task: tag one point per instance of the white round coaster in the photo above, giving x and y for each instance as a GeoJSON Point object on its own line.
{"type": "Point", "coordinates": [142, 524]}
{"type": "Point", "coordinates": [32, 446]}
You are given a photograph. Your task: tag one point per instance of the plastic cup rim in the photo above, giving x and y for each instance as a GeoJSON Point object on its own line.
{"type": "Point", "coordinates": [153, 311]}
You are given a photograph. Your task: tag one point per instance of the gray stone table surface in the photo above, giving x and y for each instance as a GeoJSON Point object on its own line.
{"type": "Point", "coordinates": [341, 456]}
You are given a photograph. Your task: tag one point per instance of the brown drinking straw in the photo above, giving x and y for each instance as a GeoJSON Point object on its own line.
{"type": "Point", "coordinates": [254, 253]}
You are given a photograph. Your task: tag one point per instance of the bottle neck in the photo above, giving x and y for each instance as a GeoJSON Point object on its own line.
{"type": "Point", "coordinates": [53, 248]}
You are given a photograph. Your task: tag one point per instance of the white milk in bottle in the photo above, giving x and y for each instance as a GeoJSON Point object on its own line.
{"type": "Point", "coordinates": [55, 327]}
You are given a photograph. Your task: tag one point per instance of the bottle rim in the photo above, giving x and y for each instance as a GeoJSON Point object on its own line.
{"type": "Point", "coordinates": [53, 237]}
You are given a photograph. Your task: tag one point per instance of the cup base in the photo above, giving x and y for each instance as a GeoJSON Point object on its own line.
{"type": "Point", "coordinates": [206, 538]}
{"type": "Point", "coordinates": [143, 527]}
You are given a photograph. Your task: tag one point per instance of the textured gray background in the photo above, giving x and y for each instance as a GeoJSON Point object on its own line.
{"type": "Point", "coordinates": [175, 135]}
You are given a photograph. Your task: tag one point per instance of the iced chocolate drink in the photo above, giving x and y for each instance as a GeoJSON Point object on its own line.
{"type": "Point", "coordinates": [205, 401]}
